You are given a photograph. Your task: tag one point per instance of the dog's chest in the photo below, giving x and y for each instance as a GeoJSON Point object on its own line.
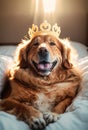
{"type": "Point", "coordinates": [43, 102]}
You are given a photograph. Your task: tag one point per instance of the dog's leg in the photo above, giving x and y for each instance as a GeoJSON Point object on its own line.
{"type": "Point", "coordinates": [29, 114]}
{"type": "Point", "coordinates": [55, 114]}
{"type": "Point", "coordinates": [61, 107]}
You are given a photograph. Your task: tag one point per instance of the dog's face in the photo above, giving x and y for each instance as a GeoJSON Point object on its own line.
{"type": "Point", "coordinates": [44, 53]}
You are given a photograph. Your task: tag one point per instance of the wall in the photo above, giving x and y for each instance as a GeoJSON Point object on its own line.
{"type": "Point", "coordinates": [16, 16]}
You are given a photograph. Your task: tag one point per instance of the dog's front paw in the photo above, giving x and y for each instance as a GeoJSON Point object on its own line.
{"type": "Point", "coordinates": [37, 123]}
{"type": "Point", "coordinates": [50, 117]}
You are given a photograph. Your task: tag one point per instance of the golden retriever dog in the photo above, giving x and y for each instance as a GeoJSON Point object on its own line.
{"type": "Point", "coordinates": [42, 83]}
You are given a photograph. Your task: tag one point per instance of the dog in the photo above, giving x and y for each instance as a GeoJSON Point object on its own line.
{"type": "Point", "coordinates": [42, 83]}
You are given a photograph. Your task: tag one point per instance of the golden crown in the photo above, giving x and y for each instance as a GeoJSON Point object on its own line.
{"type": "Point", "coordinates": [44, 28]}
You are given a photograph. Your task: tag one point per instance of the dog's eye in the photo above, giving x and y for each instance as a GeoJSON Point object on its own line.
{"type": "Point", "coordinates": [52, 43]}
{"type": "Point", "coordinates": [36, 44]}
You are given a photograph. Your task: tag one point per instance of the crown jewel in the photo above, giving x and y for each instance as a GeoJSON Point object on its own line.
{"type": "Point", "coordinates": [45, 28]}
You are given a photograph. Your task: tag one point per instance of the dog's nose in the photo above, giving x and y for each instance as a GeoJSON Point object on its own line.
{"type": "Point", "coordinates": [43, 52]}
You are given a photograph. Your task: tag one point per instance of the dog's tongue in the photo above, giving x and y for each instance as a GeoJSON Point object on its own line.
{"type": "Point", "coordinates": [46, 66]}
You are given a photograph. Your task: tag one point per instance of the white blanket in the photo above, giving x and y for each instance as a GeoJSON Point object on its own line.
{"type": "Point", "coordinates": [75, 118]}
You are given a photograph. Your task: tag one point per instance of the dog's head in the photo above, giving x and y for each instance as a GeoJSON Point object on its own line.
{"type": "Point", "coordinates": [44, 53]}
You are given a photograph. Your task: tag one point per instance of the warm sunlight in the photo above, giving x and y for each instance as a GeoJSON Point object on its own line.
{"type": "Point", "coordinates": [43, 9]}
{"type": "Point", "coordinates": [49, 6]}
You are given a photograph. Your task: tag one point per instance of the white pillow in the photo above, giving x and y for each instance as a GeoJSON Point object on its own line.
{"type": "Point", "coordinates": [81, 49]}
{"type": "Point", "coordinates": [8, 50]}
{"type": "Point", "coordinates": [5, 63]}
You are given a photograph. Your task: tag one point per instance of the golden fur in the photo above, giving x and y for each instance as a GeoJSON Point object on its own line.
{"type": "Point", "coordinates": [42, 83]}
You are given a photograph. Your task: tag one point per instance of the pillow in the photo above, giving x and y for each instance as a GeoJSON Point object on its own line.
{"type": "Point", "coordinates": [5, 63]}
{"type": "Point", "coordinates": [80, 48]}
{"type": "Point", "coordinates": [8, 50]}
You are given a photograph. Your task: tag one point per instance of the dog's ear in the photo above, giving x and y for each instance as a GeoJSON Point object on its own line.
{"type": "Point", "coordinates": [66, 56]}
{"type": "Point", "coordinates": [21, 55]}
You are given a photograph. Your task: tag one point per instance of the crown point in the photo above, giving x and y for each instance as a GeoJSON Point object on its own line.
{"type": "Point", "coordinates": [46, 28]}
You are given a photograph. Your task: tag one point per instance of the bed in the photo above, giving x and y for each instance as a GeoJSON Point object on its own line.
{"type": "Point", "coordinates": [76, 115]}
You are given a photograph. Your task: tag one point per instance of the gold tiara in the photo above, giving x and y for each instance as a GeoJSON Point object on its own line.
{"type": "Point", "coordinates": [44, 28]}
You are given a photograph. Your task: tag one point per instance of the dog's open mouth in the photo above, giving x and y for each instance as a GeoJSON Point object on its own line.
{"type": "Point", "coordinates": [44, 66]}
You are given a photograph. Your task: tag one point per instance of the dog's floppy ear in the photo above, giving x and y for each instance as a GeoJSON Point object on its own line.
{"type": "Point", "coordinates": [66, 59]}
{"type": "Point", "coordinates": [21, 55]}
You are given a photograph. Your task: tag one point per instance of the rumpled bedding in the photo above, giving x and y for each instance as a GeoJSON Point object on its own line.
{"type": "Point", "coordinates": [75, 117]}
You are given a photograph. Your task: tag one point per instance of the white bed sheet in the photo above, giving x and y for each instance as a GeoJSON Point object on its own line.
{"type": "Point", "coordinates": [76, 116]}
